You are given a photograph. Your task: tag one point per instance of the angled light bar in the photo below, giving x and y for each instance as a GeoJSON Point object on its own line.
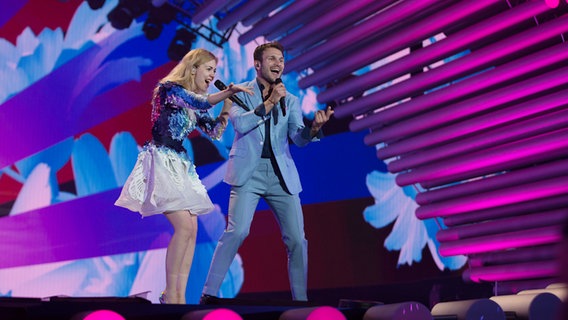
{"type": "Point", "coordinates": [500, 197]}
{"type": "Point", "coordinates": [476, 61]}
{"type": "Point", "coordinates": [358, 33]}
{"type": "Point", "coordinates": [281, 17]}
{"type": "Point", "coordinates": [398, 40]}
{"type": "Point", "coordinates": [509, 179]}
{"type": "Point", "coordinates": [490, 138]}
{"type": "Point", "coordinates": [451, 45]}
{"type": "Point", "coordinates": [473, 125]}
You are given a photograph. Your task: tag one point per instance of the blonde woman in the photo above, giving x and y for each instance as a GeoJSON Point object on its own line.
{"type": "Point", "coordinates": [164, 179]}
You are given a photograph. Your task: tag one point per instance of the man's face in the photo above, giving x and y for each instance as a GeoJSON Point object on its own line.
{"type": "Point", "coordinates": [271, 66]}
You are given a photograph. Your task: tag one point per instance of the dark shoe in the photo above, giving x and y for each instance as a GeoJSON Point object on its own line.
{"type": "Point", "coordinates": [208, 299]}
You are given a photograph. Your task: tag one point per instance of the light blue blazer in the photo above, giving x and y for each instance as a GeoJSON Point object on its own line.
{"type": "Point", "coordinates": [250, 136]}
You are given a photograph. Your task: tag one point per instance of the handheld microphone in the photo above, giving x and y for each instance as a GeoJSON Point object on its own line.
{"type": "Point", "coordinates": [221, 86]}
{"type": "Point", "coordinates": [282, 100]}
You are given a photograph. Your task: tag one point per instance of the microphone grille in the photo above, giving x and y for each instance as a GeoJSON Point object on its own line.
{"type": "Point", "coordinates": [220, 85]}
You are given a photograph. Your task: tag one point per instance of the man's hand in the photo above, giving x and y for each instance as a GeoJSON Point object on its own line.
{"type": "Point", "coordinates": [320, 119]}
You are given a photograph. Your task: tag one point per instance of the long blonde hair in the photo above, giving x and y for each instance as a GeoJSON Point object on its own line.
{"type": "Point", "coordinates": [181, 73]}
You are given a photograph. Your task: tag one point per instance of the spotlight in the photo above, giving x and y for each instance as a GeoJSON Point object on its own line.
{"type": "Point", "coordinates": [96, 4]}
{"type": "Point", "coordinates": [125, 12]}
{"type": "Point", "coordinates": [152, 29]}
{"type": "Point", "coordinates": [160, 14]}
{"type": "Point", "coordinates": [181, 44]}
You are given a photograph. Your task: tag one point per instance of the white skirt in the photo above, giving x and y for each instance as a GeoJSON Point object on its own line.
{"type": "Point", "coordinates": [162, 181]}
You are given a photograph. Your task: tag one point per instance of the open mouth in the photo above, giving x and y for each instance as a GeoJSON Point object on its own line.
{"type": "Point", "coordinates": [275, 71]}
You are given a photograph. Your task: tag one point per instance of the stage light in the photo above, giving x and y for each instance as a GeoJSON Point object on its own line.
{"type": "Point", "coordinates": [152, 29]}
{"type": "Point", "coordinates": [125, 12]}
{"type": "Point", "coordinates": [181, 44]}
{"type": "Point", "coordinates": [160, 13]}
{"type": "Point", "coordinates": [96, 4]}
{"type": "Point", "coordinates": [98, 315]}
{"type": "Point", "coordinates": [212, 314]}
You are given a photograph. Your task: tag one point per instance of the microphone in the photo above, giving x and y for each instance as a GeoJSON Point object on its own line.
{"type": "Point", "coordinates": [282, 100]}
{"type": "Point", "coordinates": [221, 86]}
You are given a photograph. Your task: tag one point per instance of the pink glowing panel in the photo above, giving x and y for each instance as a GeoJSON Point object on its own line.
{"type": "Point", "coordinates": [326, 313]}
{"type": "Point", "coordinates": [504, 241]}
{"type": "Point", "coordinates": [501, 197]}
{"type": "Point", "coordinates": [472, 125]}
{"type": "Point", "coordinates": [453, 44]}
{"type": "Point", "coordinates": [279, 18]}
{"type": "Point", "coordinates": [535, 220]}
{"type": "Point", "coordinates": [222, 314]}
{"type": "Point", "coordinates": [396, 41]}
{"type": "Point", "coordinates": [483, 58]}
{"type": "Point", "coordinates": [103, 315]}
{"type": "Point", "coordinates": [491, 138]}
{"type": "Point", "coordinates": [464, 110]}
{"type": "Point", "coordinates": [513, 272]}
{"type": "Point", "coordinates": [207, 9]}
{"type": "Point", "coordinates": [345, 14]}
{"type": "Point", "coordinates": [509, 179]}
{"type": "Point", "coordinates": [360, 32]}
{"type": "Point", "coordinates": [552, 3]}
{"type": "Point", "coordinates": [240, 13]}
{"type": "Point", "coordinates": [540, 253]}
{"type": "Point", "coordinates": [560, 201]}
{"type": "Point", "coordinates": [516, 154]}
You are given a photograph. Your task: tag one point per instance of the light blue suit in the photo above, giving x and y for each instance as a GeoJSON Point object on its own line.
{"type": "Point", "coordinates": [252, 177]}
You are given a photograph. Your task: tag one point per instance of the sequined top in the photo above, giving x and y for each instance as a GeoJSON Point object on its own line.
{"type": "Point", "coordinates": [176, 112]}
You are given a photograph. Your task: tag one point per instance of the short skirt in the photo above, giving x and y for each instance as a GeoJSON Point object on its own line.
{"type": "Point", "coordinates": [164, 180]}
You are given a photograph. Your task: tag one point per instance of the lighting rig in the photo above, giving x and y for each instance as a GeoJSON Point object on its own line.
{"type": "Point", "coordinates": [157, 13]}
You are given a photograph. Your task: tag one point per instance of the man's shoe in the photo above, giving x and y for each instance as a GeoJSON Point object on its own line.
{"type": "Point", "coordinates": [208, 299]}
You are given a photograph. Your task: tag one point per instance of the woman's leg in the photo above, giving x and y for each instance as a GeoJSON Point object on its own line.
{"type": "Point", "coordinates": [179, 254]}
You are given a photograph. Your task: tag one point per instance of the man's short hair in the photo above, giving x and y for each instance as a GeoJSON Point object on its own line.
{"type": "Point", "coordinates": [260, 49]}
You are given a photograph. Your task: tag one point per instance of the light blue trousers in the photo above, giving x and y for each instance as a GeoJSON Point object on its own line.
{"type": "Point", "coordinates": [287, 209]}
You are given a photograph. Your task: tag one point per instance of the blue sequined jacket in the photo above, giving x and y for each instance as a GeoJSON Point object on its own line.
{"type": "Point", "coordinates": [176, 112]}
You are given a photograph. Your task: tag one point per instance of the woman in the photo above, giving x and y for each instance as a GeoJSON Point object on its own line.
{"type": "Point", "coordinates": [164, 179]}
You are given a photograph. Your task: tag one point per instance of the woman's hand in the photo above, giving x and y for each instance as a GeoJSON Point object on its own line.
{"type": "Point", "coordinates": [233, 88]}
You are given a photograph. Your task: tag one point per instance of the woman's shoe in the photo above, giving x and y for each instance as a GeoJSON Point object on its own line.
{"type": "Point", "coordinates": [162, 298]}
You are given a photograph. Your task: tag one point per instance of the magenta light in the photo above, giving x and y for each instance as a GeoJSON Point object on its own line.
{"type": "Point", "coordinates": [503, 241]}
{"type": "Point", "coordinates": [501, 135]}
{"type": "Point", "coordinates": [513, 272]}
{"type": "Point", "coordinates": [358, 33]}
{"type": "Point", "coordinates": [453, 44]}
{"type": "Point", "coordinates": [103, 315]}
{"type": "Point", "coordinates": [222, 314]}
{"type": "Point", "coordinates": [326, 313]}
{"type": "Point", "coordinates": [535, 220]}
{"type": "Point", "coordinates": [500, 197]}
{"type": "Point", "coordinates": [509, 179]}
{"type": "Point", "coordinates": [552, 3]}
{"type": "Point", "coordinates": [555, 202]}
{"type": "Point", "coordinates": [488, 161]}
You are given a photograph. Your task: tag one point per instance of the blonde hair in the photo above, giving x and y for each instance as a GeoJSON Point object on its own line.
{"type": "Point", "coordinates": [181, 73]}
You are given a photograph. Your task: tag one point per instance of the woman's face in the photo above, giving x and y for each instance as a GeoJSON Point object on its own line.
{"type": "Point", "coordinates": [204, 75]}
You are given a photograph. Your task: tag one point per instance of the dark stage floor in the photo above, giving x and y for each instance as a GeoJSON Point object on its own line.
{"type": "Point", "coordinates": [352, 302]}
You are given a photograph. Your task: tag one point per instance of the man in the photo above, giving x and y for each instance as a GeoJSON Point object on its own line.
{"type": "Point", "coordinates": [260, 165]}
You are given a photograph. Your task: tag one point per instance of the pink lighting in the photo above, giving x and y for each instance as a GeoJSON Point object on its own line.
{"type": "Point", "coordinates": [500, 197]}
{"type": "Point", "coordinates": [453, 44]}
{"type": "Point", "coordinates": [326, 313]}
{"type": "Point", "coordinates": [552, 3]}
{"type": "Point", "coordinates": [491, 138]}
{"type": "Point", "coordinates": [431, 145]}
{"type": "Point", "coordinates": [103, 315]}
{"type": "Point", "coordinates": [510, 179]}
{"type": "Point", "coordinates": [504, 241]}
{"type": "Point", "coordinates": [222, 314]}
